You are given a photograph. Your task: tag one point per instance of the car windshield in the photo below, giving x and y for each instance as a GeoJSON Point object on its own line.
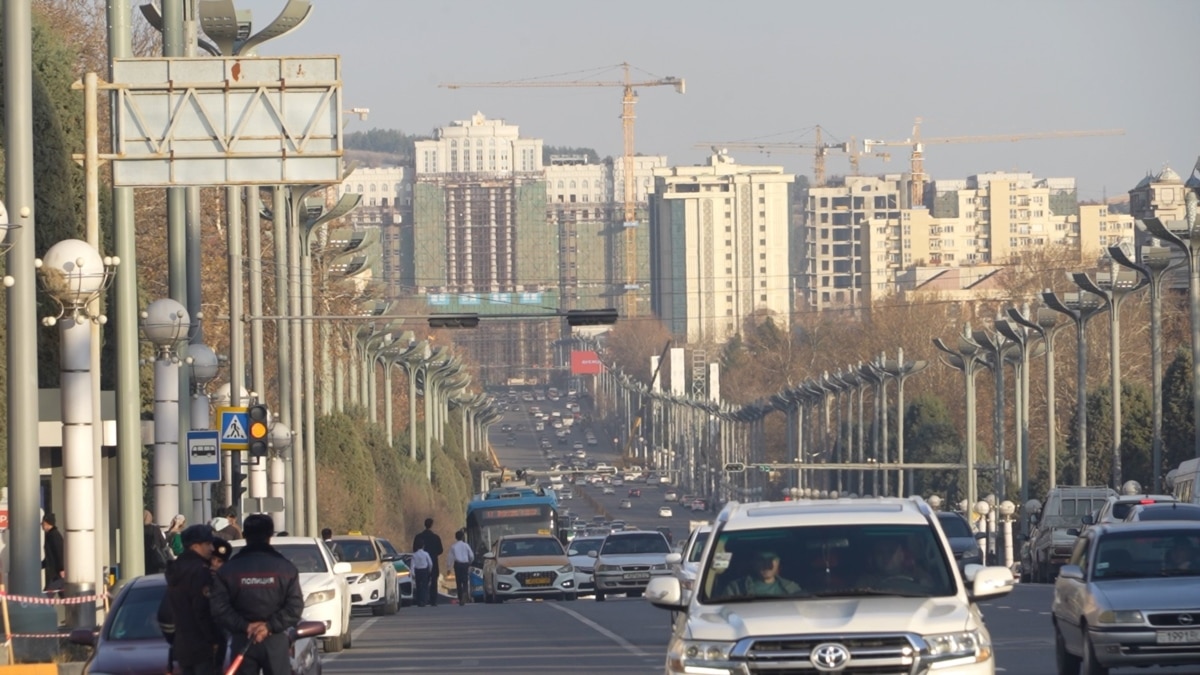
{"type": "Point", "coordinates": [136, 617]}
{"type": "Point", "coordinates": [585, 546]}
{"type": "Point", "coordinates": [827, 561]}
{"type": "Point", "coordinates": [356, 550]}
{"type": "Point", "coordinates": [521, 547]}
{"type": "Point", "coordinates": [1141, 553]}
{"type": "Point", "coordinates": [306, 557]}
{"type": "Point", "coordinates": [1169, 513]}
{"type": "Point", "coordinates": [632, 544]}
{"type": "Point", "coordinates": [955, 526]}
{"type": "Point", "coordinates": [698, 546]}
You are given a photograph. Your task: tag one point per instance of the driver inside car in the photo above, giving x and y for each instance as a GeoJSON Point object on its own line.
{"type": "Point", "coordinates": [892, 563]}
{"type": "Point", "coordinates": [764, 580]}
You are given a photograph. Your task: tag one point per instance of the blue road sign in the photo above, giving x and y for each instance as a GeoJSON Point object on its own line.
{"type": "Point", "coordinates": [234, 428]}
{"type": "Point", "coordinates": [204, 456]}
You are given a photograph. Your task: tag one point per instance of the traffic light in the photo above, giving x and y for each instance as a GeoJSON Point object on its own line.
{"type": "Point", "coordinates": [237, 479]}
{"type": "Point", "coordinates": [453, 320]}
{"type": "Point", "coordinates": [259, 422]}
{"type": "Point", "coordinates": [591, 317]}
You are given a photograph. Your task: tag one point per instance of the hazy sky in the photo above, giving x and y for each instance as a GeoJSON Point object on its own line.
{"type": "Point", "coordinates": [757, 70]}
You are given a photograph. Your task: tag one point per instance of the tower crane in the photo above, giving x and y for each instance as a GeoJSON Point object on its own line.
{"type": "Point", "coordinates": [819, 148]}
{"type": "Point", "coordinates": [628, 100]}
{"type": "Point", "coordinates": [917, 185]}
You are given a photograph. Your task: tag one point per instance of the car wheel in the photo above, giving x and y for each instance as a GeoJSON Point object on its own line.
{"type": "Point", "coordinates": [347, 637]}
{"type": "Point", "coordinates": [333, 644]}
{"type": "Point", "coordinates": [633, 594]}
{"type": "Point", "coordinates": [1067, 663]}
{"type": "Point", "coordinates": [1090, 666]}
{"type": "Point", "coordinates": [599, 596]}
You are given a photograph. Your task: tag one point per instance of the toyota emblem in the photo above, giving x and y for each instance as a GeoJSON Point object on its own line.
{"type": "Point", "coordinates": [829, 657]}
{"type": "Point", "coordinates": [1185, 619]}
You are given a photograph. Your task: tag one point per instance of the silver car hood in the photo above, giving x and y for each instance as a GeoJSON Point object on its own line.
{"type": "Point", "coordinates": [1146, 593]}
{"type": "Point", "coordinates": [833, 616]}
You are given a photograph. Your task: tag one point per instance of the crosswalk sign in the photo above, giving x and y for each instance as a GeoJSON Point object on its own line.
{"type": "Point", "coordinates": [234, 423]}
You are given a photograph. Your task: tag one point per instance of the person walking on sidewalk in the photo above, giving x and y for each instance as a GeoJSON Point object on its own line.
{"type": "Point", "coordinates": [433, 546]}
{"type": "Point", "coordinates": [459, 562]}
{"type": "Point", "coordinates": [422, 565]}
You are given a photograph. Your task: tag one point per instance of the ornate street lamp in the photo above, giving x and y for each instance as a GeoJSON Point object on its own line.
{"type": "Point", "coordinates": [967, 357]}
{"type": "Point", "coordinates": [1080, 309]}
{"type": "Point", "coordinates": [165, 323]}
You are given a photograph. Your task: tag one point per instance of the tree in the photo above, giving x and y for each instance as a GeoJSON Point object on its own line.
{"type": "Point", "coordinates": [387, 141]}
{"type": "Point", "coordinates": [631, 343]}
{"type": "Point", "coordinates": [1178, 431]}
{"type": "Point", "coordinates": [1135, 439]}
{"type": "Point", "coordinates": [550, 150]}
{"type": "Point", "coordinates": [931, 436]}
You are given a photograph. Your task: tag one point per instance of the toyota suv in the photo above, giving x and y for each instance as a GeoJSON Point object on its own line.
{"type": "Point", "coordinates": [831, 586]}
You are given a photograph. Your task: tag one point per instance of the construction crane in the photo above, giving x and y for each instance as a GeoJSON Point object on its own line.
{"type": "Point", "coordinates": [628, 100]}
{"type": "Point", "coordinates": [917, 185]}
{"type": "Point", "coordinates": [819, 148]}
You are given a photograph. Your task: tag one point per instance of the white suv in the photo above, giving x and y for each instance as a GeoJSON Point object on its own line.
{"type": "Point", "coordinates": [831, 586]}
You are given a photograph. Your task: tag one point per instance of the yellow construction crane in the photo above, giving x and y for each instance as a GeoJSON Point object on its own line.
{"type": "Point", "coordinates": [628, 99]}
{"type": "Point", "coordinates": [917, 187]}
{"type": "Point", "coordinates": [819, 149]}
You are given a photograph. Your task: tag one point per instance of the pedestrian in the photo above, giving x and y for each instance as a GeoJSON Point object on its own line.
{"type": "Point", "coordinates": [422, 565]}
{"type": "Point", "coordinates": [174, 530]}
{"type": "Point", "coordinates": [155, 545]}
{"type": "Point", "coordinates": [459, 561]}
{"type": "Point", "coordinates": [197, 642]}
{"type": "Point", "coordinates": [433, 546]}
{"type": "Point", "coordinates": [230, 530]}
{"type": "Point", "coordinates": [52, 554]}
{"type": "Point", "coordinates": [256, 598]}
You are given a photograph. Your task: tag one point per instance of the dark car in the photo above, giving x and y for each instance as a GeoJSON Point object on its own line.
{"type": "Point", "coordinates": [1163, 511]}
{"type": "Point", "coordinates": [130, 641]}
{"type": "Point", "coordinates": [963, 542]}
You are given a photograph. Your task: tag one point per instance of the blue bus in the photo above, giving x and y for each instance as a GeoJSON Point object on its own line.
{"type": "Point", "coordinates": [503, 511]}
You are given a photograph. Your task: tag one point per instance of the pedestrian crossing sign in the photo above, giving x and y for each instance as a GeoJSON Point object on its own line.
{"type": "Point", "coordinates": [234, 423]}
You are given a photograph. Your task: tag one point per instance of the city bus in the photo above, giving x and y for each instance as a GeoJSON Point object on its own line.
{"type": "Point", "coordinates": [503, 511]}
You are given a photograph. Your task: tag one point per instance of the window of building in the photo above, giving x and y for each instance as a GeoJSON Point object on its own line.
{"type": "Point", "coordinates": [762, 298]}
{"type": "Point", "coordinates": [728, 228]}
{"type": "Point", "coordinates": [762, 256]}
{"type": "Point", "coordinates": [824, 218]}
{"type": "Point", "coordinates": [762, 242]}
{"type": "Point", "coordinates": [729, 298]}
{"type": "Point", "coordinates": [728, 284]}
{"type": "Point", "coordinates": [729, 256]}
{"type": "Point", "coordinates": [374, 204]}
{"type": "Point", "coordinates": [762, 200]}
{"type": "Point", "coordinates": [360, 188]}
{"type": "Point", "coordinates": [729, 312]}
{"type": "Point", "coordinates": [728, 270]}
{"type": "Point", "coordinates": [1012, 213]}
{"type": "Point", "coordinates": [762, 284]}
{"type": "Point", "coordinates": [1012, 200]}
{"type": "Point", "coordinates": [729, 242]}
{"type": "Point", "coordinates": [762, 270]}
{"type": "Point", "coordinates": [572, 185]}
{"type": "Point", "coordinates": [762, 214]}
{"type": "Point", "coordinates": [453, 143]}
{"type": "Point", "coordinates": [728, 215]}
{"type": "Point", "coordinates": [560, 185]}
{"type": "Point", "coordinates": [585, 198]}
{"type": "Point", "coordinates": [762, 228]}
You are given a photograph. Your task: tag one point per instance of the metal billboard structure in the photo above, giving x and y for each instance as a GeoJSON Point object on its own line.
{"type": "Point", "coordinates": [227, 121]}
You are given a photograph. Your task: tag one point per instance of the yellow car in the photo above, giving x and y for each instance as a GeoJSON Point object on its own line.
{"type": "Point", "coordinates": [372, 578]}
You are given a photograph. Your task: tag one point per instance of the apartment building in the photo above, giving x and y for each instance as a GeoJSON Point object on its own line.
{"type": "Point", "coordinates": [719, 248]}
{"type": "Point", "coordinates": [386, 205]}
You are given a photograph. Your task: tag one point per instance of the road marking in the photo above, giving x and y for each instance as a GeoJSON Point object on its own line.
{"type": "Point", "coordinates": [354, 636]}
{"type": "Point", "coordinates": [624, 644]}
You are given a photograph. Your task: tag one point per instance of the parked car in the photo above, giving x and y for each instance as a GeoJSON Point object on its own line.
{"type": "Point", "coordinates": [527, 566]}
{"type": "Point", "coordinates": [130, 641]}
{"type": "Point", "coordinates": [1115, 508]}
{"type": "Point", "coordinates": [369, 585]}
{"type": "Point", "coordinates": [327, 596]}
{"type": "Point", "coordinates": [1129, 597]}
{"type": "Point", "coordinates": [404, 576]}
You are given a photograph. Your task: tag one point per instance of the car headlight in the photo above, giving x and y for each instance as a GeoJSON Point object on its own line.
{"type": "Point", "coordinates": [659, 567]}
{"type": "Point", "coordinates": [703, 657]}
{"type": "Point", "coordinates": [965, 644]}
{"type": "Point", "coordinates": [317, 597]}
{"type": "Point", "coordinates": [501, 569]}
{"type": "Point", "coordinates": [1130, 616]}
{"type": "Point", "coordinates": [608, 568]}
{"type": "Point", "coordinates": [566, 569]}
{"type": "Point", "coordinates": [371, 576]}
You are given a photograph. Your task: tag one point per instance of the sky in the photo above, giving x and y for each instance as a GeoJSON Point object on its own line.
{"type": "Point", "coordinates": [772, 70]}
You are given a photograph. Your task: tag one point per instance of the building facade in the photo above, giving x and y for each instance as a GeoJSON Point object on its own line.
{"type": "Point", "coordinates": [719, 248]}
{"type": "Point", "coordinates": [386, 205]}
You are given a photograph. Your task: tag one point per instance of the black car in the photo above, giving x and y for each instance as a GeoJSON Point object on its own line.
{"type": "Point", "coordinates": [963, 542]}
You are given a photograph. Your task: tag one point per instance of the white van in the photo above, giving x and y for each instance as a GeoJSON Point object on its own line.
{"type": "Point", "coordinates": [1183, 481]}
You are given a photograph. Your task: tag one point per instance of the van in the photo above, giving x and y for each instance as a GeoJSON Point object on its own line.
{"type": "Point", "coordinates": [1055, 526]}
{"type": "Point", "coordinates": [1183, 481]}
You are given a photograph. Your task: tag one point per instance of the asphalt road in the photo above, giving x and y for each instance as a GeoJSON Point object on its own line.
{"type": "Point", "coordinates": [622, 635]}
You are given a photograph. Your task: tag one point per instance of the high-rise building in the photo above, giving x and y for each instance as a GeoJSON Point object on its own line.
{"type": "Point", "coordinates": [719, 248]}
{"type": "Point", "coordinates": [387, 205]}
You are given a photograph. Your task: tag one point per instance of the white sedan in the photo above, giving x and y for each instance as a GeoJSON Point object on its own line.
{"type": "Point", "coordinates": [665, 512]}
{"type": "Point", "coordinates": [608, 490]}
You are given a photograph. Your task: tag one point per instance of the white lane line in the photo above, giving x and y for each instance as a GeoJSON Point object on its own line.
{"type": "Point", "coordinates": [354, 636]}
{"type": "Point", "coordinates": [622, 642]}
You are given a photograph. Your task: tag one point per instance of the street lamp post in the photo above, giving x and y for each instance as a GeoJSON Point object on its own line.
{"type": "Point", "coordinates": [1185, 235]}
{"type": "Point", "coordinates": [164, 323]}
{"type": "Point", "coordinates": [901, 370]}
{"type": "Point", "coordinates": [966, 357]}
{"type": "Point", "coordinates": [1017, 332]}
{"type": "Point", "coordinates": [1156, 262]}
{"type": "Point", "coordinates": [74, 274]}
{"type": "Point", "coordinates": [1079, 309]}
{"type": "Point", "coordinates": [1045, 324]}
{"type": "Point", "coordinates": [996, 347]}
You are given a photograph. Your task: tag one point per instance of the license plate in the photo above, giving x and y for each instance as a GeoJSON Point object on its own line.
{"type": "Point", "coordinates": [1176, 637]}
{"type": "Point", "coordinates": [537, 581]}
{"type": "Point", "coordinates": [638, 575]}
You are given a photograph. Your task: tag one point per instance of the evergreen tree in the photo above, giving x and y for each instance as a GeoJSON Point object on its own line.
{"type": "Point", "coordinates": [1178, 432]}
{"type": "Point", "coordinates": [931, 436]}
{"type": "Point", "coordinates": [1135, 439]}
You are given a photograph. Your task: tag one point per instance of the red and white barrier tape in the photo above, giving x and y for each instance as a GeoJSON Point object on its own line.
{"type": "Point", "coordinates": [42, 600]}
{"type": "Point", "coordinates": [58, 636]}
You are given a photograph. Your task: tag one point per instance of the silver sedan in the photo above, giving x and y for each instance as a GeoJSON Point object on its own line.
{"type": "Point", "coordinates": [1129, 596]}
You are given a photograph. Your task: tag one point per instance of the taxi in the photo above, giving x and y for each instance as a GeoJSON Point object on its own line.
{"type": "Point", "coordinates": [372, 577]}
{"type": "Point", "coordinates": [527, 566]}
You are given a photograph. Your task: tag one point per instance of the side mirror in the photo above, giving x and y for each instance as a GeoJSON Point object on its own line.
{"type": "Point", "coordinates": [989, 582]}
{"type": "Point", "coordinates": [307, 629]}
{"type": "Point", "coordinates": [1071, 572]}
{"type": "Point", "coordinates": [593, 554]}
{"type": "Point", "coordinates": [1088, 519]}
{"type": "Point", "coordinates": [980, 535]}
{"type": "Point", "coordinates": [389, 558]}
{"type": "Point", "coordinates": [341, 568]}
{"type": "Point", "coordinates": [665, 592]}
{"type": "Point", "coordinates": [489, 556]}
{"type": "Point", "coordinates": [84, 636]}
{"type": "Point", "coordinates": [674, 558]}
{"type": "Point", "coordinates": [1074, 531]}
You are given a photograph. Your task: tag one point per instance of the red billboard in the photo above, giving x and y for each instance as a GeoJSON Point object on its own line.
{"type": "Point", "coordinates": [585, 363]}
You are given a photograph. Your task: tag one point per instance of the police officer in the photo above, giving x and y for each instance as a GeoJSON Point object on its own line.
{"type": "Point", "coordinates": [196, 641]}
{"type": "Point", "coordinates": [256, 598]}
